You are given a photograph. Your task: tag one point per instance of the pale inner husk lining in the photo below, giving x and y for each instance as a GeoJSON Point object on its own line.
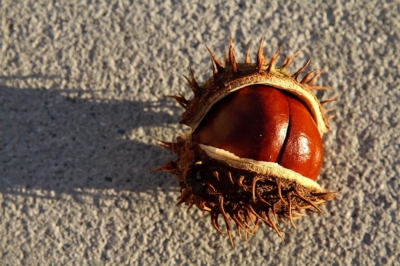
{"type": "Point", "coordinates": [260, 167]}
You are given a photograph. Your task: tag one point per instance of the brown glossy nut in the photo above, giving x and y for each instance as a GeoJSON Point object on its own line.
{"type": "Point", "coordinates": [264, 124]}
{"type": "Point", "coordinates": [254, 149]}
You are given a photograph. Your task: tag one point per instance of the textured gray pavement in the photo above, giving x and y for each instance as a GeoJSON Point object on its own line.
{"type": "Point", "coordinates": [81, 102]}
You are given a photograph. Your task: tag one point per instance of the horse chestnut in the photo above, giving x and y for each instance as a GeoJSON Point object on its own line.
{"type": "Point", "coordinates": [264, 124]}
{"type": "Point", "coordinates": [254, 150]}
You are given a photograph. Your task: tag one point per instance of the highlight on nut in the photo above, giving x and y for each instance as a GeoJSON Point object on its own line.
{"type": "Point", "coordinates": [254, 150]}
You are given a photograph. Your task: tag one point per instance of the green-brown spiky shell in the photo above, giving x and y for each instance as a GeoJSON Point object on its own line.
{"type": "Point", "coordinates": [242, 190]}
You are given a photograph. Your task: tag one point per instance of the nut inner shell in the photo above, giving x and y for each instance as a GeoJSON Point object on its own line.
{"type": "Point", "coordinates": [264, 124]}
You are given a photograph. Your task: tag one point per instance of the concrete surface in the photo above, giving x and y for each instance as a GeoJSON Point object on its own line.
{"type": "Point", "coordinates": [81, 102]}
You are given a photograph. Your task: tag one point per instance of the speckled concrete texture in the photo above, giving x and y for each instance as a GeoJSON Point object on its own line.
{"type": "Point", "coordinates": [82, 87]}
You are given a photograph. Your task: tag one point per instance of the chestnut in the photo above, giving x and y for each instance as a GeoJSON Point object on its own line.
{"type": "Point", "coordinates": [255, 148]}
{"type": "Point", "coordinates": [264, 124]}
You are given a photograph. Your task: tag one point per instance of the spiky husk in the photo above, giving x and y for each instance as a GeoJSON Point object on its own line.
{"type": "Point", "coordinates": [242, 190]}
